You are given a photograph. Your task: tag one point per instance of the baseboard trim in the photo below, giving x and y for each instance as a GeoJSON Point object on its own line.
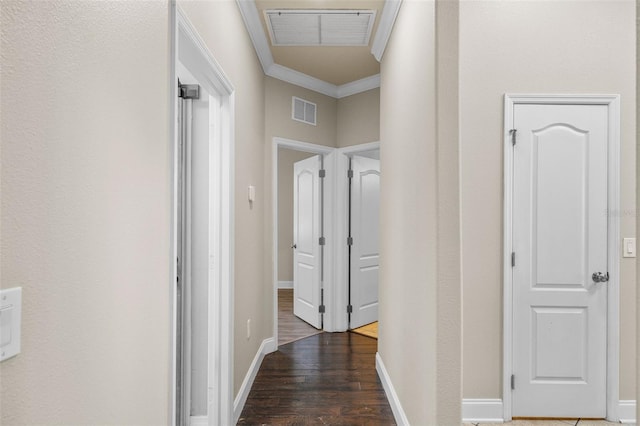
{"type": "Point", "coordinates": [199, 421]}
{"type": "Point", "coordinates": [491, 411]}
{"type": "Point", "coordinates": [482, 411]}
{"type": "Point", "coordinates": [266, 347]}
{"type": "Point", "coordinates": [285, 284]}
{"type": "Point", "coordinates": [627, 411]}
{"type": "Point", "coordinates": [389, 390]}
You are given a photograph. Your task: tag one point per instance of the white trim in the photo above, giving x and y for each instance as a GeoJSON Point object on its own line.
{"type": "Point", "coordinates": [385, 27]}
{"type": "Point", "coordinates": [266, 347]}
{"type": "Point", "coordinates": [329, 250]}
{"type": "Point", "coordinates": [198, 421]}
{"type": "Point", "coordinates": [613, 286]}
{"type": "Point", "coordinates": [627, 411]}
{"type": "Point", "coordinates": [285, 284]}
{"type": "Point", "coordinates": [398, 412]}
{"type": "Point", "coordinates": [190, 51]}
{"type": "Point", "coordinates": [482, 411]}
{"type": "Point", "coordinates": [253, 23]}
{"type": "Point", "coordinates": [358, 86]}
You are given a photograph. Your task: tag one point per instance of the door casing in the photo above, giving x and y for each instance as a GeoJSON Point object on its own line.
{"type": "Point", "coordinates": [188, 50]}
{"type": "Point", "coordinates": [613, 225]}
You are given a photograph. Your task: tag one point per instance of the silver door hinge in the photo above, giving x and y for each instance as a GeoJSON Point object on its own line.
{"type": "Point", "coordinates": [189, 91]}
{"type": "Point", "coordinates": [322, 241]}
{"type": "Point", "coordinates": [322, 173]}
{"type": "Point", "coordinates": [349, 241]}
{"type": "Point", "coordinates": [513, 382]}
{"type": "Point", "coordinates": [349, 309]}
{"type": "Point", "coordinates": [350, 174]}
{"type": "Point", "coordinates": [513, 259]}
{"type": "Point", "coordinates": [512, 133]}
{"type": "Point", "coordinates": [321, 309]}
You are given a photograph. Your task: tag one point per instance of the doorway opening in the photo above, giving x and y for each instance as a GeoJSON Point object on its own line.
{"type": "Point", "coordinates": [202, 278]}
{"type": "Point", "coordinates": [334, 296]}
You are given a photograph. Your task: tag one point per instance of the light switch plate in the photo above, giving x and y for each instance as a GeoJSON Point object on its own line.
{"type": "Point", "coordinates": [628, 247]}
{"type": "Point", "coordinates": [10, 320]}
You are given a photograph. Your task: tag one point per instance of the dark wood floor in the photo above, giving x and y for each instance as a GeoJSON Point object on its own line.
{"type": "Point", "coordinates": [326, 379]}
{"type": "Point", "coordinates": [290, 327]}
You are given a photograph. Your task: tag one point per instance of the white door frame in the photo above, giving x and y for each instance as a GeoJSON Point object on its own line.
{"type": "Point", "coordinates": [613, 286]}
{"type": "Point", "coordinates": [328, 212]}
{"type": "Point", "coordinates": [188, 49]}
{"type": "Point", "coordinates": [342, 228]}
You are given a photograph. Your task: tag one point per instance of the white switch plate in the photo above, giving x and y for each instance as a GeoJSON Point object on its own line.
{"type": "Point", "coordinates": [252, 193]}
{"type": "Point", "coordinates": [628, 247]}
{"type": "Point", "coordinates": [10, 319]}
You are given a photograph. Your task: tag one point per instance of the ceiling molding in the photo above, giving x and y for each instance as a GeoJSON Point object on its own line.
{"type": "Point", "coordinates": [253, 23]}
{"type": "Point", "coordinates": [358, 86]}
{"type": "Point", "coordinates": [387, 19]}
{"type": "Point", "coordinates": [303, 80]}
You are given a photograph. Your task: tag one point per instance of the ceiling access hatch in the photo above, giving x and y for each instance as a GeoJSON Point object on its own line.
{"type": "Point", "coordinates": [330, 27]}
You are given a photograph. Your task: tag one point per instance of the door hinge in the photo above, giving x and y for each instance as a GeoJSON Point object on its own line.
{"type": "Point", "coordinates": [189, 91]}
{"type": "Point", "coordinates": [513, 382]}
{"type": "Point", "coordinates": [349, 241]}
{"type": "Point", "coordinates": [321, 309]}
{"type": "Point", "coordinates": [512, 133]}
{"type": "Point", "coordinates": [513, 259]}
{"type": "Point", "coordinates": [322, 173]}
{"type": "Point", "coordinates": [350, 174]}
{"type": "Point", "coordinates": [322, 241]}
{"type": "Point", "coordinates": [349, 309]}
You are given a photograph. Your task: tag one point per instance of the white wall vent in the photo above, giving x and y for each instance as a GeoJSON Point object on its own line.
{"type": "Point", "coordinates": [304, 111]}
{"type": "Point", "coordinates": [329, 27]}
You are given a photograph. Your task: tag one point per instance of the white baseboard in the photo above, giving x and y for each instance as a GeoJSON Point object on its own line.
{"type": "Point", "coordinates": [396, 407]}
{"type": "Point", "coordinates": [482, 411]}
{"type": "Point", "coordinates": [199, 421]}
{"type": "Point", "coordinates": [285, 284]}
{"type": "Point", "coordinates": [491, 411]}
{"type": "Point", "coordinates": [627, 411]}
{"type": "Point", "coordinates": [266, 347]}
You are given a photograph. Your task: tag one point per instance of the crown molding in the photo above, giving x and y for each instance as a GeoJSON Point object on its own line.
{"type": "Point", "coordinates": [387, 19]}
{"type": "Point", "coordinates": [358, 86]}
{"type": "Point", "coordinates": [252, 22]}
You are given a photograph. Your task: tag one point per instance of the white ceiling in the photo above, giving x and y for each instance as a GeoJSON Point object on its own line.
{"type": "Point", "coordinates": [336, 71]}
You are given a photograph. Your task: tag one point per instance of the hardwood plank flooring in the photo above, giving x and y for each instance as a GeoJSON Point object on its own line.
{"type": "Point", "coordinates": [290, 327]}
{"type": "Point", "coordinates": [325, 379]}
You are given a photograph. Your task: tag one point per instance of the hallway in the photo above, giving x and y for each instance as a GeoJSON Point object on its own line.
{"type": "Point", "coordinates": [329, 378]}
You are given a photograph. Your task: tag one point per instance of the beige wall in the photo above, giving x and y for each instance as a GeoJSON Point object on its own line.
{"type": "Point", "coordinates": [585, 47]}
{"type": "Point", "coordinates": [220, 25]}
{"type": "Point", "coordinates": [419, 218]}
{"type": "Point", "coordinates": [286, 159]}
{"type": "Point", "coordinates": [86, 213]}
{"type": "Point", "coordinates": [358, 119]}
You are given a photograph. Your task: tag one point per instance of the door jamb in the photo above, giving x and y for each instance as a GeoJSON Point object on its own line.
{"type": "Point", "coordinates": [188, 48]}
{"type": "Point", "coordinates": [613, 292]}
{"type": "Point", "coordinates": [328, 212]}
{"type": "Point", "coordinates": [342, 227]}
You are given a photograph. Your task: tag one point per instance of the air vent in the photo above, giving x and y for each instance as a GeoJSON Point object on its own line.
{"type": "Point", "coordinates": [331, 27]}
{"type": "Point", "coordinates": [304, 111]}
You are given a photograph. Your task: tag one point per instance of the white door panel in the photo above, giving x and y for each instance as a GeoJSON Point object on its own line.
{"type": "Point", "coordinates": [559, 240]}
{"type": "Point", "coordinates": [306, 235]}
{"type": "Point", "coordinates": [365, 256]}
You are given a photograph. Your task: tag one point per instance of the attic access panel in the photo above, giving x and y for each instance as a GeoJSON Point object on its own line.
{"type": "Point", "coordinates": [330, 27]}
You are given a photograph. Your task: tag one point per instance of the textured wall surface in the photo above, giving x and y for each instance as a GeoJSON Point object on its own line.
{"type": "Point", "coordinates": [86, 213]}
{"type": "Point", "coordinates": [418, 190]}
{"type": "Point", "coordinates": [586, 47]}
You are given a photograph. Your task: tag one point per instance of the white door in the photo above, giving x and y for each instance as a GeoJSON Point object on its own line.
{"type": "Point", "coordinates": [307, 254]}
{"type": "Point", "coordinates": [559, 241]}
{"type": "Point", "coordinates": [365, 256]}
